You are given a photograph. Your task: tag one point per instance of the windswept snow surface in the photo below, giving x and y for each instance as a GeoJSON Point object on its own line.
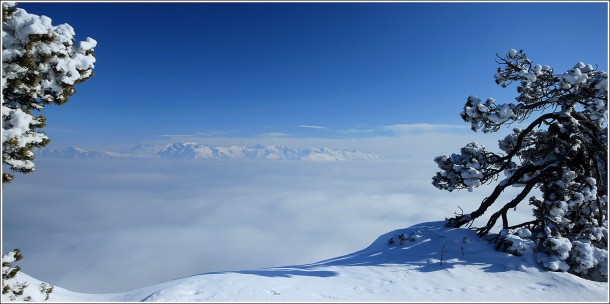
{"type": "Point", "coordinates": [432, 263]}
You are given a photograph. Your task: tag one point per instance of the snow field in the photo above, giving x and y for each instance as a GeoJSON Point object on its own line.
{"type": "Point", "coordinates": [407, 271]}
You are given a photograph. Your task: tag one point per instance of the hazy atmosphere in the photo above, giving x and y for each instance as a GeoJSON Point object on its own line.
{"type": "Point", "coordinates": [386, 79]}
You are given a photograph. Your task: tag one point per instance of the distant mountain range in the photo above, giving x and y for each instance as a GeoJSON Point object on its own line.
{"type": "Point", "coordinates": [192, 150]}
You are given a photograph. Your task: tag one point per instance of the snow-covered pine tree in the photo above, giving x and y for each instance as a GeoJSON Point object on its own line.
{"type": "Point", "coordinates": [41, 64]}
{"type": "Point", "coordinates": [9, 271]}
{"type": "Point", "coordinates": [562, 150]}
{"type": "Point", "coordinates": [15, 290]}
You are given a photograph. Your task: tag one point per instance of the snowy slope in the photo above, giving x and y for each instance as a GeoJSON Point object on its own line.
{"type": "Point", "coordinates": [411, 270]}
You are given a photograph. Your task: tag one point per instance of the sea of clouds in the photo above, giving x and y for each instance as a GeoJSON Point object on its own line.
{"type": "Point", "coordinates": [101, 226]}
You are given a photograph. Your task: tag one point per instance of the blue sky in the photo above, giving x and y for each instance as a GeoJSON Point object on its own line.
{"type": "Point", "coordinates": [250, 69]}
{"type": "Point", "coordinates": [383, 78]}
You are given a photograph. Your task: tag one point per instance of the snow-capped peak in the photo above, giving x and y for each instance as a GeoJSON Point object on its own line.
{"type": "Point", "coordinates": [193, 150]}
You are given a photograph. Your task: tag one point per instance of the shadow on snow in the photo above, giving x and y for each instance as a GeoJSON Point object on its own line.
{"type": "Point", "coordinates": [428, 247]}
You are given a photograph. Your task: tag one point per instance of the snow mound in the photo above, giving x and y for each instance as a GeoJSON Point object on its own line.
{"type": "Point", "coordinates": [423, 263]}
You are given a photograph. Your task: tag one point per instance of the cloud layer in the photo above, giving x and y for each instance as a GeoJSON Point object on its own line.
{"type": "Point", "coordinates": [116, 225]}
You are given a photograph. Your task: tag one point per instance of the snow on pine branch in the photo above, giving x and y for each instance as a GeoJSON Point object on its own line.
{"type": "Point", "coordinates": [562, 152]}
{"type": "Point", "coordinates": [41, 64]}
{"type": "Point", "coordinates": [539, 88]}
{"type": "Point", "coordinates": [467, 170]}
